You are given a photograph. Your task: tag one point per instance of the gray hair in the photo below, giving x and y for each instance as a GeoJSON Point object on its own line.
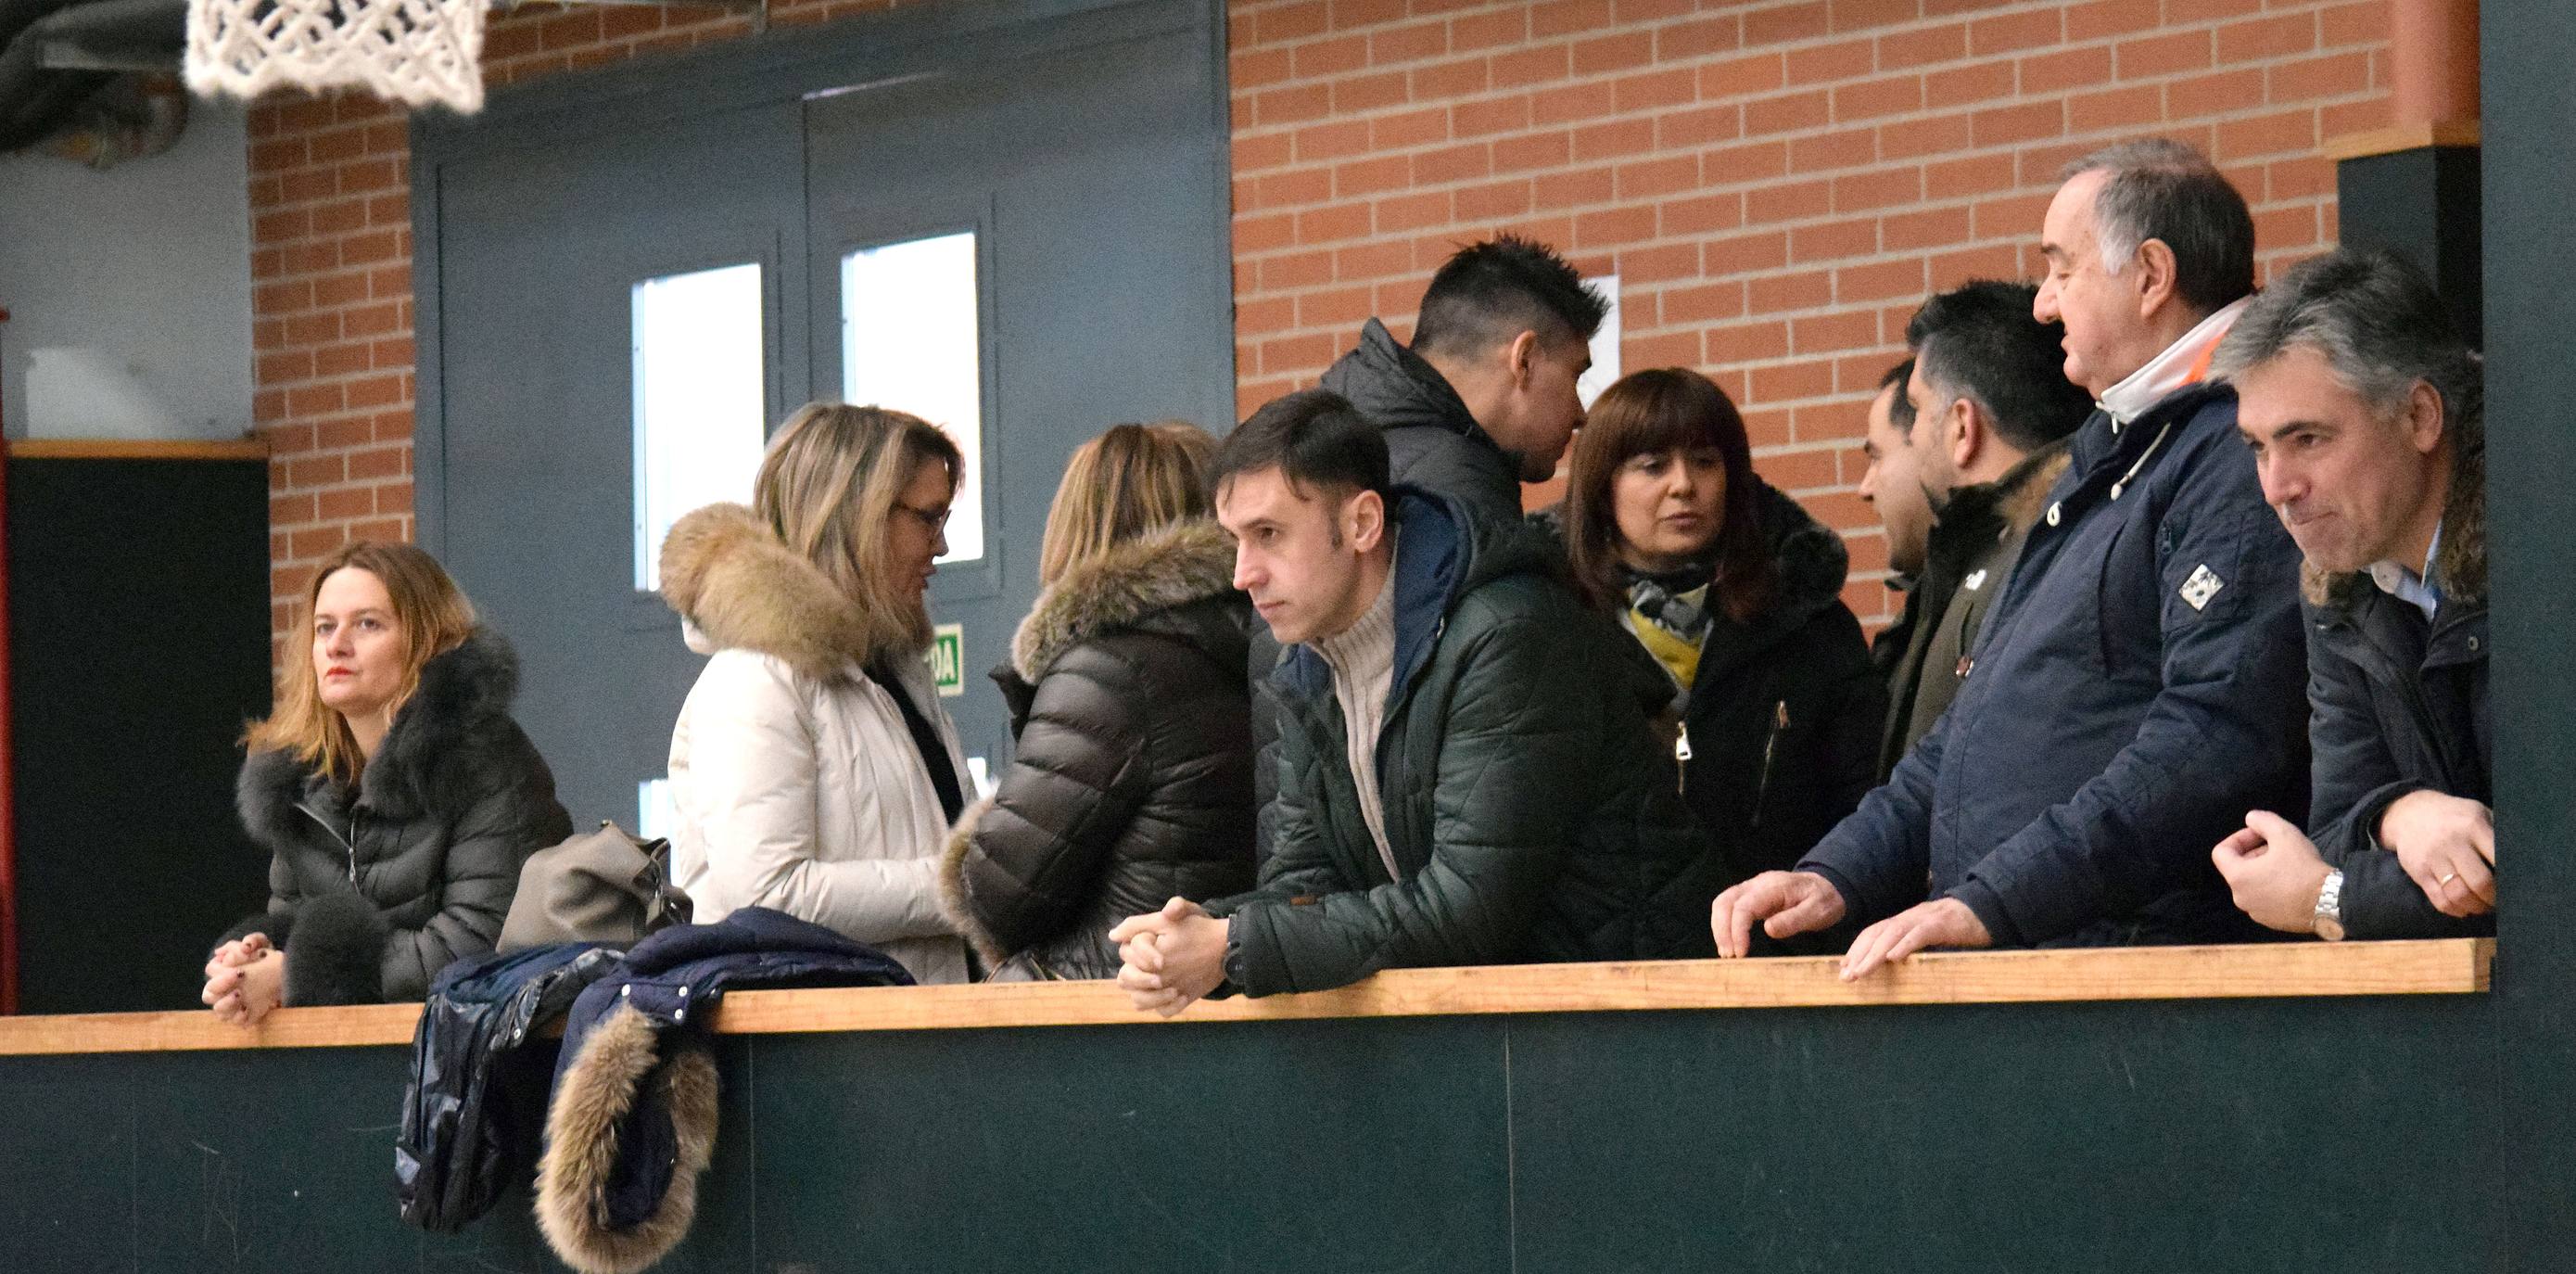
{"type": "Point", "coordinates": [2157, 188]}
{"type": "Point", "coordinates": [2377, 323]}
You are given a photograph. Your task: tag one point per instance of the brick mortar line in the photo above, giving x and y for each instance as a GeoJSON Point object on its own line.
{"type": "Point", "coordinates": [1747, 229]}
{"type": "Point", "coordinates": [1828, 309]}
{"type": "Point", "coordinates": [1905, 26]}
{"type": "Point", "coordinates": [1741, 52]}
{"type": "Point", "coordinates": [1812, 132]}
{"type": "Point", "coordinates": [1878, 167]}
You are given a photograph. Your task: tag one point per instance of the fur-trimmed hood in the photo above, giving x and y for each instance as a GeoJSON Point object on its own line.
{"type": "Point", "coordinates": [459, 714]}
{"type": "Point", "coordinates": [1134, 585]}
{"type": "Point", "coordinates": [740, 588]}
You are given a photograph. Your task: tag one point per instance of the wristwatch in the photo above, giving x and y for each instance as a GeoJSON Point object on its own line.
{"type": "Point", "coordinates": [2329, 917]}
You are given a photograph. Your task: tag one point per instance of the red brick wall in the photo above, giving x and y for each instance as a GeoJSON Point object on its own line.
{"type": "Point", "coordinates": [1777, 184]}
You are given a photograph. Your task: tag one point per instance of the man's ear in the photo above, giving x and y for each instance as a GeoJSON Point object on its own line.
{"type": "Point", "coordinates": [1520, 358]}
{"type": "Point", "coordinates": [1965, 428]}
{"type": "Point", "coordinates": [2152, 271]}
{"type": "Point", "coordinates": [2425, 423]}
{"type": "Point", "coordinates": [1363, 519]}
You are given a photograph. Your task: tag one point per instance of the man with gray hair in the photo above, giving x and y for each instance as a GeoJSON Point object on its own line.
{"type": "Point", "coordinates": [2137, 687]}
{"type": "Point", "coordinates": [2363, 406]}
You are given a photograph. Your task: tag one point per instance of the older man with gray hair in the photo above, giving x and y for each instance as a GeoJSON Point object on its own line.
{"type": "Point", "coordinates": [2364, 408]}
{"type": "Point", "coordinates": [2138, 686]}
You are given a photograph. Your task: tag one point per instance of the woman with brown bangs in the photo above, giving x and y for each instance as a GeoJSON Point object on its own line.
{"type": "Point", "coordinates": [1737, 592]}
{"type": "Point", "coordinates": [396, 797]}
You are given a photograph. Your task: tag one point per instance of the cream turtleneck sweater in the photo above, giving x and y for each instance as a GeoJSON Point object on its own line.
{"type": "Point", "coordinates": [1362, 658]}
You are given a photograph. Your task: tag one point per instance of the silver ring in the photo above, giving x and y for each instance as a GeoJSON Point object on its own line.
{"type": "Point", "coordinates": [2448, 877]}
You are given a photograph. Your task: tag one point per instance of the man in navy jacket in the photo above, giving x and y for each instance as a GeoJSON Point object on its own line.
{"type": "Point", "coordinates": [2365, 412]}
{"type": "Point", "coordinates": [2141, 683]}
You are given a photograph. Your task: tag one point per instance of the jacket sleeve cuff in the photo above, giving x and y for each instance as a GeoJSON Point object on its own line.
{"type": "Point", "coordinates": [276, 925]}
{"type": "Point", "coordinates": [1988, 906]}
{"type": "Point", "coordinates": [1232, 985]}
{"type": "Point", "coordinates": [2374, 807]}
{"type": "Point", "coordinates": [1238, 958]}
{"type": "Point", "coordinates": [1855, 904]}
{"type": "Point", "coordinates": [2381, 901]}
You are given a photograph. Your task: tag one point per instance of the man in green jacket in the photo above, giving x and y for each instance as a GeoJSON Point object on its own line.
{"type": "Point", "coordinates": [1462, 780]}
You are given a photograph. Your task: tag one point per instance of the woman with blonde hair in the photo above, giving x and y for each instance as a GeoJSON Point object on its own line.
{"type": "Point", "coordinates": [1131, 781]}
{"type": "Point", "coordinates": [813, 770]}
{"type": "Point", "coordinates": [395, 795]}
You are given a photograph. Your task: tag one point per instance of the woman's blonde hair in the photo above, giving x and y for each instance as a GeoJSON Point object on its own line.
{"type": "Point", "coordinates": [1122, 484]}
{"type": "Point", "coordinates": [828, 487]}
{"type": "Point", "coordinates": [434, 618]}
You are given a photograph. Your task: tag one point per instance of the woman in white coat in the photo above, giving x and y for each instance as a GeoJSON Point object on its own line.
{"type": "Point", "coordinates": [813, 770]}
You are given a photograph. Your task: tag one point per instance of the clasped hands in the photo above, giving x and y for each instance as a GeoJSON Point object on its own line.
{"type": "Point", "coordinates": [1172, 958]}
{"type": "Point", "coordinates": [245, 979]}
{"type": "Point", "coordinates": [1788, 903]}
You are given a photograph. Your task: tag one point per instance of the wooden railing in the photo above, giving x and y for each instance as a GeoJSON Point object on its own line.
{"type": "Point", "coordinates": [2445, 967]}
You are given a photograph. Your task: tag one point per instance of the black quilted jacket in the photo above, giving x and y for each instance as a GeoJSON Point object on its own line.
{"type": "Point", "coordinates": [1131, 781]}
{"type": "Point", "coordinates": [1529, 802]}
{"type": "Point", "coordinates": [372, 891]}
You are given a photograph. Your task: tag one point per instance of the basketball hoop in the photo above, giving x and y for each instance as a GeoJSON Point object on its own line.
{"type": "Point", "coordinates": [417, 52]}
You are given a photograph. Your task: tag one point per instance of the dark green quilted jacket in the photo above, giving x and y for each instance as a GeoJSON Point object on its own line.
{"type": "Point", "coordinates": [1529, 797]}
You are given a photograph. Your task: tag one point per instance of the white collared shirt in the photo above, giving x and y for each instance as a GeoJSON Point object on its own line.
{"type": "Point", "coordinates": [2170, 370]}
{"type": "Point", "coordinates": [2415, 588]}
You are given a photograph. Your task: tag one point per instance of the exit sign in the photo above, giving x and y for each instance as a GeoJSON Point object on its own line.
{"type": "Point", "coordinates": [948, 659]}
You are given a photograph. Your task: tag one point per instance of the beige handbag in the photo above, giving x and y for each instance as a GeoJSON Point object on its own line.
{"type": "Point", "coordinates": [603, 886]}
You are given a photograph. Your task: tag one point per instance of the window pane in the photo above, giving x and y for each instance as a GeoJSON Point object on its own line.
{"type": "Point", "coordinates": [1605, 343]}
{"type": "Point", "coordinates": [700, 400]}
{"type": "Point", "coordinates": [909, 341]}
{"type": "Point", "coordinates": [653, 809]}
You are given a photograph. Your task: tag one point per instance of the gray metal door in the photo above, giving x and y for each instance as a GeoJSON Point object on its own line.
{"type": "Point", "coordinates": [1087, 184]}
{"type": "Point", "coordinates": [1085, 153]}
{"type": "Point", "coordinates": [542, 250]}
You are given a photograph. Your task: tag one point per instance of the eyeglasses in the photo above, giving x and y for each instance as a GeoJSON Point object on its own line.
{"type": "Point", "coordinates": [934, 519]}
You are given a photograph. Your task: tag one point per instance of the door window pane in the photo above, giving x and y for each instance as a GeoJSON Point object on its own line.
{"type": "Point", "coordinates": [909, 341]}
{"type": "Point", "coordinates": [700, 400]}
{"type": "Point", "coordinates": [653, 808]}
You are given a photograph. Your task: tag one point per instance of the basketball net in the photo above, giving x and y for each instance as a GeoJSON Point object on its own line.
{"type": "Point", "coordinates": [417, 52]}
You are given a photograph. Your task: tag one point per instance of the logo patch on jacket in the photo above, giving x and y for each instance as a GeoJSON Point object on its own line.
{"type": "Point", "coordinates": [2203, 585]}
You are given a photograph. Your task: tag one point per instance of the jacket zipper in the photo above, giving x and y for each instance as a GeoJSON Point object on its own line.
{"type": "Point", "coordinates": [1770, 746]}
{"type": "Point", "coordinates": [1681, 759]}
{"type": "Point", "coordinates": [346, 842]}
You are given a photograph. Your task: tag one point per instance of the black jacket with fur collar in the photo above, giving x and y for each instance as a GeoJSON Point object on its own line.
{"type": "Point", "coordinates": [372, 891]}
{"type": "Point", "coordinates": [1132, 779]}
{"type": "Point", "coordinates": [2398, 704]}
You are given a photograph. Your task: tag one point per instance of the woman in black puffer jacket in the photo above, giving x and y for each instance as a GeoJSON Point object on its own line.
{"type": "Point", "coordinates": [1132, 779]}
{"type": "Point", "coordinates": [396, 797]}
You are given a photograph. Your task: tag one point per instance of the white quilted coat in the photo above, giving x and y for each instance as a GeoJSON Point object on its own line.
{"type": "Point", "coordinates": [794, 782]}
